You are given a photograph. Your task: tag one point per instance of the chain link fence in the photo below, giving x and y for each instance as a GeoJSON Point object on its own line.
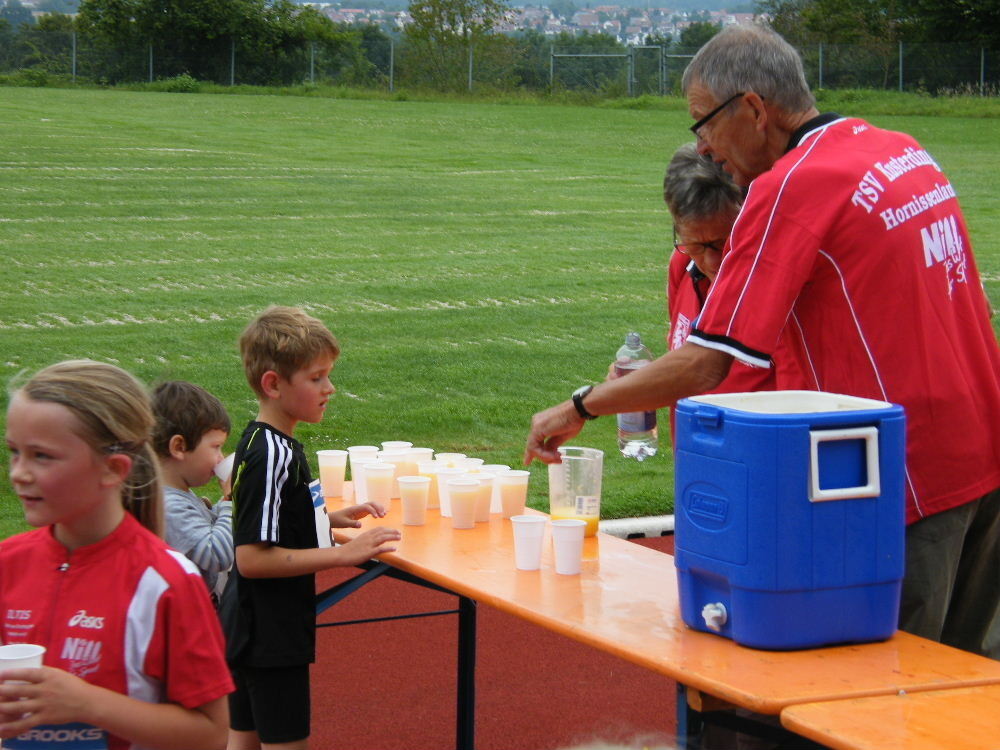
{"type": "Point", "coordinates": [499, 63]}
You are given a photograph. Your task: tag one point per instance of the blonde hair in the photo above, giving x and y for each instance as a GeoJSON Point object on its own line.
{"type": "Point", "coordinates": [285, 340]}
{"type": "Point", "coordinates": [114, 416]}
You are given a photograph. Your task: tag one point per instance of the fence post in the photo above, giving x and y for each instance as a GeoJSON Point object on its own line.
{"type": "Point", "coordinates": [821, 65]}
{"type": "Point", "coordinates": [630, 69]}
{"type": "Point", "coordinates": [552, 66]}
{"type": "Point", "coordinates": [470, 66]}
{"type": "Point", "coordinates": [73, 58]}
{"type": "Point", "coordinates": [900, 64]}
{"type": "Point", "coordinates": [392, 63]}
{"type": "Point", "coordinates": [663, 72]}
{"type": "Point", "coordinates": [312, 62]}
{"type": "Point", "coordinates": [982, 71]}
{"type": "Point", "coordinates": [232, 61]}
{"type": "Point", "coordinates": [150, 62]}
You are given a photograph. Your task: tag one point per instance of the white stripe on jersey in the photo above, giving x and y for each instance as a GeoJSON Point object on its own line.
{"type": "Point", "coordinates": [805, 347]}
{"type": "Point", "coordinates": [741, 355]}
{"type": "Point", "coordinates": [868, 353]}
{"type": "Point", "coordinates": [188, 566]}
{"type": "Point", "coordinates": [279, 457]}
{"type": "Point", "coordinates": [139, 627]}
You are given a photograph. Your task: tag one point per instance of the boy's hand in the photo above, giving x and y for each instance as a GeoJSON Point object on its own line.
{"type": "Point", "coordinates": [366, 546]}
{"type": "Point", "coordinates": [350, 517]}
{"type": "Point", "coordinates": [48, 696]}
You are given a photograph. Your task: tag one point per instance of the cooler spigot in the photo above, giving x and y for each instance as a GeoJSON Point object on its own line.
{"type": "Point", "coordinates": [715, 616]}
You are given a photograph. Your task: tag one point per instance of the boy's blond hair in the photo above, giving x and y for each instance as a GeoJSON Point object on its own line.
{"type": "Point", "coordinates": [283, 339]}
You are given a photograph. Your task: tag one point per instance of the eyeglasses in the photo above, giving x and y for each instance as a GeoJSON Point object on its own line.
{"type": "Point", "coordinates": [694, 249]}
{"type": "Point", "coordinates": [698, 125]}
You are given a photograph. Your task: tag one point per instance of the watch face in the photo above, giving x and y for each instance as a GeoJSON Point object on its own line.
{"type": "Point", "coordinates": [583, 390]}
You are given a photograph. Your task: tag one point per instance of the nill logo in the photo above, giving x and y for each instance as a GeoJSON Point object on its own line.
{"type": "Point", "coordinates": [81, 650]}
{"type": "Point", "coordinates": [942, 241]}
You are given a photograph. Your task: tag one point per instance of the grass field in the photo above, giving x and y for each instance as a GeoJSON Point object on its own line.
{"type": "Point", "coordinates": [477, 261]}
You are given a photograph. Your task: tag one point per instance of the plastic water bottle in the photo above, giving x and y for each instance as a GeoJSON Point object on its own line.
{"type": "Point", "coordinates": [637, 434]}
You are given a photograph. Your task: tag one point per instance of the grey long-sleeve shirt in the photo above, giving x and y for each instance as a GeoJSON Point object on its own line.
{"type": "Point", "coordinates": [203, 534]}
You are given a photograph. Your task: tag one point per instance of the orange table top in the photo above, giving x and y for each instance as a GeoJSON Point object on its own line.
{"type": "Point", "coordinates": [625, 602]}
{"type": "Point", "coordinates": [959, 719]}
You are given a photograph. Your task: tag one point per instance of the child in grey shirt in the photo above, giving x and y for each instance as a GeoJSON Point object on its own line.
{"type": "Point", "coordinates": [191, 427]}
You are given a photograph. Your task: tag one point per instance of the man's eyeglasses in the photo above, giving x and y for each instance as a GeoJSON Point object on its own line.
{"type": "Point", "coordinates": [698, 125]}
{"type": "Point", "coordinates": [693, 249]}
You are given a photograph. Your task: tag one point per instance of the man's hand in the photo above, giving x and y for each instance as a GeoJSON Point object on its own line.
{"type": "Point", "coordinates": [550, 429]}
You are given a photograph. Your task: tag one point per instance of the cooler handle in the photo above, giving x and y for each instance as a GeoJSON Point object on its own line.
{"type": "Point", "coordinates": [872, 489]}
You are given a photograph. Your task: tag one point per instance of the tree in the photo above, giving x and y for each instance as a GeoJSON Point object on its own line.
{"type": "Point", "coordinates": [444, 32]}
{"type": "Point", "coordinates": [696, 34]}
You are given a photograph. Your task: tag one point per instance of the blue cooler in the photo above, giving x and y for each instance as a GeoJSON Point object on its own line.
{"type": "Point", "coordinates": [789, 513]}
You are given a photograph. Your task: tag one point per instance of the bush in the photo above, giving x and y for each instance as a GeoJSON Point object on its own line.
{"type": "Point", "coordinates": [182, 84]}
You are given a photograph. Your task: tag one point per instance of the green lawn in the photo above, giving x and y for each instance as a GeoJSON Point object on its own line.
{"type": "Point", "coordinates": [477, 261]}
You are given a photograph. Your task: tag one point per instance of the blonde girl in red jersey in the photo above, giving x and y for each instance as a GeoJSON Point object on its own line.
{"type": "Point", "coordinates": [95, 584]}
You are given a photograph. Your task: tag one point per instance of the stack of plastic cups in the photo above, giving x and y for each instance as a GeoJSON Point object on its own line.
{"type": "Point", "coordinates": [429, 469]}
{"type": "Point", "coordinates": [359, 456]}
{"type": "Point", "coordinates": [496, 470]}
{"type": "Point", "coordinates": [444, 493]}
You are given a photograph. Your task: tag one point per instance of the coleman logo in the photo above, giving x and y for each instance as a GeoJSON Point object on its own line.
{"type": "Point", "coordinates": [80, 619]}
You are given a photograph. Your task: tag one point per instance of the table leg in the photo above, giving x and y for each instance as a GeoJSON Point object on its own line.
{"type": "Point", "coordinates": [466, 723]}
{"type": "Point", "coordinates": [689, 722]}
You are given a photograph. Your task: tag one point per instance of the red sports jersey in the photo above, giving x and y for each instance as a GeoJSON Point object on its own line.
{"type": "Point", "coordinates": [852, 250]}
{"type": "Point", "coordinates": [127, 613]}
{"type": "Point", "coordinates": [687, 288]}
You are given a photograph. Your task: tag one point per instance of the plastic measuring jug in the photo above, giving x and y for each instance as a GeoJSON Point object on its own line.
{"type": "Point", "coordinates": [575, 486]}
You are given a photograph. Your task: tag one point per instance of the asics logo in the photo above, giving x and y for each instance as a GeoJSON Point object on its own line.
{"type": "Point", "coordinates": [81, 619]}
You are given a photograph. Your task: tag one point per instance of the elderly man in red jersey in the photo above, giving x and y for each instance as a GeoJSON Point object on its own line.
{"type": "Point", "coordinates": [852, 255]}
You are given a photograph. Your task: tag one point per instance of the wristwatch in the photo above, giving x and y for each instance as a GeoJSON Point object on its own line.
{"type": "Point", "coordinates": [578, 395]}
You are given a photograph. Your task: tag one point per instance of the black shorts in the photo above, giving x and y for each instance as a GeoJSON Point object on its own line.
{"type": "Point", "coordinates": [272, 701]}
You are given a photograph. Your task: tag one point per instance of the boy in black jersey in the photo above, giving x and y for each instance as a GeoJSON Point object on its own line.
{"type": "Point", "coordinates": [268, 611]}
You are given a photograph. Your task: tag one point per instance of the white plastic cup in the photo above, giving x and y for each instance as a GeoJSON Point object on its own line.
{"type": "Point", "coordinates": [360, 455]}
{"type": "Point", "coordinates": [449, 460]}
{"type": "Point", "coordinates": [567, 539]}
{"type": "Point", "coordinates": [378, 482]}
{"type": "Point", "coordinates": [529, 532]}
{"type": "Point", "coordinates": [445, 474]}
{"type": "Point", "coordinates": [513, 491]}
{"type": "Point", "coordinates": [398, 457]}
{"type": "Point", "coordinates": [496, 470]}
{"type": "Point", "coordinates": [413, 491]}
{"type": "Point", "coordinates": [20, 656]}
{"type": "Point", "coordinates": [332, 465]}
{"type": "Point", "coordinates": [469, 463]}
{"type": "Point", "coordinates": [394, 445]}
{"type": "Point", "coordinates": [421, 454]}
{"type": "Point", "coordinates": [462, 493]}
{"type": "Point", "coordinates": [483, 495]}
{"type": "Point", "coordinates": [224, 468]}
{"type": "Point", "coordinates": [429, 469]}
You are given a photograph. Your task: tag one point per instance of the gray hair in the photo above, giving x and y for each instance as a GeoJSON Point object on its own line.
{"type": "Point", "coordinates": [751, 58]}
{"type": "Point", "coordinates": [695, 187]}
